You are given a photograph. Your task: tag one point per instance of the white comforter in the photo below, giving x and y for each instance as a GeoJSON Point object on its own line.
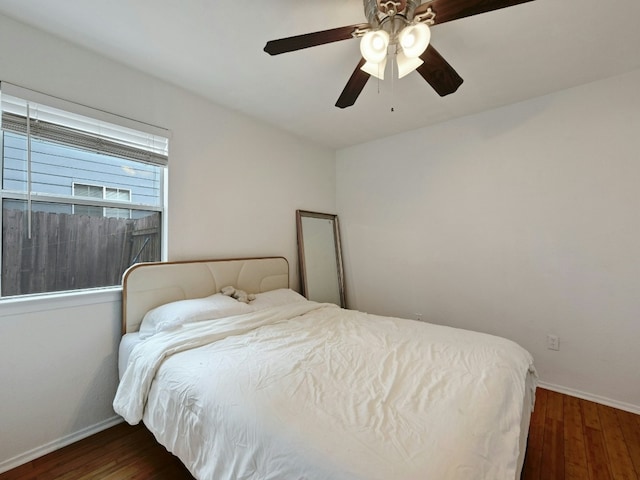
{"type": "Point", "coordinates": [311, 391]}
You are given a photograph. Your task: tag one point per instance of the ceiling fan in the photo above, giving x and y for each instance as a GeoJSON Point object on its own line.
{"type": "Point", "coordinates": [400, 27]}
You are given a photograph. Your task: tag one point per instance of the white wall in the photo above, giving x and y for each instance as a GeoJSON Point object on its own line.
{"type": "Point", "coordinates": [234, 186]}
{"type": "Point", "coordinates": [520, 222]}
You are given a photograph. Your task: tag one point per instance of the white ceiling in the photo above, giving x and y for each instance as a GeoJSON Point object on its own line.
{"type": "Point", "coordinates": [214, 48]}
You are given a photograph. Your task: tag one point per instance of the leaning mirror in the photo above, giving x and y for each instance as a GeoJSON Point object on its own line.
{"type": "Point", "coordinates": [320, 257]}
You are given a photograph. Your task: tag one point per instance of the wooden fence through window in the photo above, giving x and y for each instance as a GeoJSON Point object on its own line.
{"type": "Point", "coordinates": [70, 252]}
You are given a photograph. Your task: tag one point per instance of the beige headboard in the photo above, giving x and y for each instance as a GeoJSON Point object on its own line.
{"type": "Point", "coordinates": [148, 285]}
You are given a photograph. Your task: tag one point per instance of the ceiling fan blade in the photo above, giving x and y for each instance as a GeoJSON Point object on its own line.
{"type": "Point", "coordinates": [438, 73]}
{"type": "Point", "coordinates": [298, 42]}
{"type": "Point", "coordinates": [353, 87]}
{"type": "Point", "coordinates": [447, 10]}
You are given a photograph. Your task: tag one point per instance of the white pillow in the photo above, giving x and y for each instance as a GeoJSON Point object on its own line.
{"type": "Point", "coordinates": [275, 298]}
{"type": "Point", "coordinates": [172, 315]}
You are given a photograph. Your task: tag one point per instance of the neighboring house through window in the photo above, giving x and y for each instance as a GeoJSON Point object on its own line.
{"type": "Point", "coordinates": [97, 191]}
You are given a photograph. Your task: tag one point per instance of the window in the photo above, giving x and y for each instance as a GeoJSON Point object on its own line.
{"type": "Point", "coordinates": [96, 191]}
{"type": "Point", "coordinates": [82, 194]}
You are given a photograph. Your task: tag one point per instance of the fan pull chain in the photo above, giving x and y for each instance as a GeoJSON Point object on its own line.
{"type": "Point", "coordinates": [393, 83]}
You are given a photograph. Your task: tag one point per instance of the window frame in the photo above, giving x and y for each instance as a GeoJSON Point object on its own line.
{"type": "Point", "coordinates": [72, 200]}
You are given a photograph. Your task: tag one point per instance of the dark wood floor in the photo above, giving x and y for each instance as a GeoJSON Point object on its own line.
{"type": "Point", "coordinates": [576, 439]}
{"type": "Point", "coordinates": [122, 452]}
{"type": "Point", "coordinates": [569, 438]}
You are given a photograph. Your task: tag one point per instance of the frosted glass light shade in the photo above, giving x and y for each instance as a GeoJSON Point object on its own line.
{"type": "Point", "coordinates": [415, 39]}
{"type": "Point", "coordinates": [373, 46]}
{"type": "Point", "coordinates": [375, 69]}
{"type": "Point", "coordinates": [406, 65]}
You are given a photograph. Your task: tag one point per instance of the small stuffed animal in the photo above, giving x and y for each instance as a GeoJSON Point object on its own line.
{"type": "Point", "coordinates": [239, 295]}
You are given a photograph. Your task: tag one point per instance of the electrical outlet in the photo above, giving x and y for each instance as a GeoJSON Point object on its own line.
{"type": "Point", "coordinates": [553, 342]}
{"type": "Point", "coordinates": [418, 316]}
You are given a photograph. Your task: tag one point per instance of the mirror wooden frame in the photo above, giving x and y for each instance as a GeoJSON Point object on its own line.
{"type": "Point", "coordinates": [303, 261]}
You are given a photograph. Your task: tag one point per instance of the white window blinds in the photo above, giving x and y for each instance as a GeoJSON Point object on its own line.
{"type": "Point", "coordinates": [95, 131]}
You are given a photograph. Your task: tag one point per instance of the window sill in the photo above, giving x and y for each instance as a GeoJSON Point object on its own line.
{"type": "Point", "coordinates": [55, 301]}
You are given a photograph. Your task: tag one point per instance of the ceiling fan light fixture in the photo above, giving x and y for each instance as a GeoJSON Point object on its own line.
{"type": "Point", "coordinates": [414, 39]}
{"type": "Point", "coordinates": [373, 46]}
{"type": "Point", "coordinates": [406, 65]}
{"type": "Point", "coordinates": [375, 69]}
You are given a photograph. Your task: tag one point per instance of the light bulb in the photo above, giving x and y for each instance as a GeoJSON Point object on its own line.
{"type": "Point", "coordinates": [373, 46]}
{"type": "Point", "coordinates": [408, 40]}
{"type": "Point", "coordinates": [414, 39]}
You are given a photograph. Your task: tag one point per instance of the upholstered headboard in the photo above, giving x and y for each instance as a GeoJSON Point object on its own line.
{"type": "Point", "coordinates": [148, 285]}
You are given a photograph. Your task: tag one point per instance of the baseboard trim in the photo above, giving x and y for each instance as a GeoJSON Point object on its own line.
{"type": "Point", "coordinates": [591, 397]}
{"type": "Point", "coordinates": [58, 443]}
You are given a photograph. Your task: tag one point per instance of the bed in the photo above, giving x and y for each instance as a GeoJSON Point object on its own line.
{"type": "Point", "coordinates": [284, 388]}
